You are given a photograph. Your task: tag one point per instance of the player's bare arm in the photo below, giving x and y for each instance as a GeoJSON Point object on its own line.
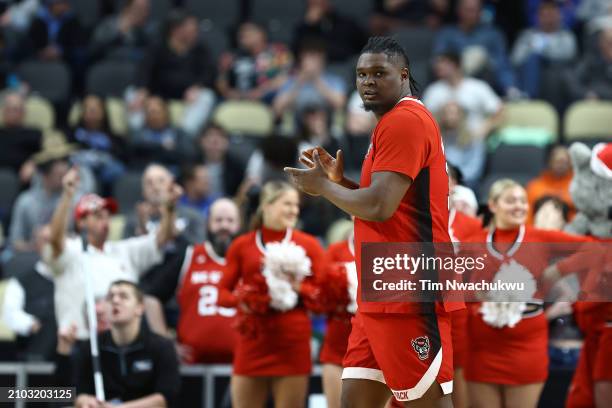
{"type": "Point", "coordinates": [59, 221]}
{"type": "Point", "coordinates": [377, 202]}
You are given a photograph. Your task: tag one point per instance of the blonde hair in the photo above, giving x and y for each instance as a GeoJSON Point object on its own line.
{"type": "Point", "coordinates": [270, 192]}
{"type": "Point", "coordinates": [501, 185]}
{"type": "Point", "coordinates": [497, 189]}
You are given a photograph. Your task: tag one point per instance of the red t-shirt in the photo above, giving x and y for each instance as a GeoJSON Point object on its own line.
{"type": "Point", "coordinates": [204, 325]}
{"type": "Point", "coordinates": [406, 141]}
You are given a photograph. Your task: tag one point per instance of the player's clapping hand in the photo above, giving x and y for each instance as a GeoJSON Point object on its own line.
{"type": "Point", "coordinates": [333, 167]}
{"type": "Point", "coordinates": [311, 180]}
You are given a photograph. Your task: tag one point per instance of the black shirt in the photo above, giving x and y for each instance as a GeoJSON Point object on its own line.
{"type": "Point", "coordinates": [147, 366]}
{"type": "Point", "coordinates": [167, 74]}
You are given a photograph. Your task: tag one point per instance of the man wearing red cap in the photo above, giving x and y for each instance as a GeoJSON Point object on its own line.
{"type": "Point", "coordinates": [103, 260]}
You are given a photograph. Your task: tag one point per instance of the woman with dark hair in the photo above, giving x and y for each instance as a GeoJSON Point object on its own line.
{"type": "Point", "coordinates": [276, 264]}
{"type": "Point", "coordinates": [101, 150]}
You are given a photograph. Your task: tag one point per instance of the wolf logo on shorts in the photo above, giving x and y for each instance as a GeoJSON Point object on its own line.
{"type": "Point", "coordinates": [421, 346]}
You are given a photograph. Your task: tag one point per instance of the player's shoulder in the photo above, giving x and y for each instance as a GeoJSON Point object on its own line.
{"type": "Point", "coordinates": [411, 110]}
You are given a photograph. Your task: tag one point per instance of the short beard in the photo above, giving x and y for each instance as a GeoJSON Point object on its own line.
{"type": "Point", "coordinates": [220, 242]}
{"type": "Point", "coordinates": [374, 107]}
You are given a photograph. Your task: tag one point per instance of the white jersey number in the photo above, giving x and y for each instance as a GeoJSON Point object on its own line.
{"type": "Point", "coordinates": [207, 304]}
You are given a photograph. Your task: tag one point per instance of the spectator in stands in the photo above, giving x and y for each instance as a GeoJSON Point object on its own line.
{"type": "Point", "coordinates": [225, 169]}
{"type": "Point", "coordinates": [56, 34]}
{"type": "Point", "coordinates": [461, 148]}
{"type": "Point", "coordinates": [569, 10]}
{"type": "Point", "coordinates": [342, 36]}
{"type": "Point", "coordinates": [147, 219]}
{"type": "Point", "coordinates": [483, 47]}
{"type": "Point", "coordinates": [34, 207]}
{"type": "Point", "coordinates": [104, 261]}
{"type": "Point", "coordinates": [311, 84]}
{"type": "Point", "coordinates": [158, 140]}
{"type": "Point", "coordinates": [124, 35]}
{"type": "Point", "coordinates": [390, 15]}
{"type": "Point", "coordinates": [101, 151]}
{"type": "Point", "coordinates": [553, 181]}
{"type": "Point", "coordinates": [179, 68]}
{"type": "Point", "coordinates": [18, 15]}
{"type": "Point", "coordinates": [28, 307]}
{"type": "Point", "coordinates": [267, 162]}
{"type": "Point", "coordinates": [196, 183]}
{"type": "Point", "coordinates": [538, 48]}
{"type": "Point", "coordinates": [147, 372]}
{"type": "Point", "coordinates": [19, 142]}
{"type": "Point", "coordinates": [596, 14]}
{"type": "Point", "coordinates": [483, 108]}
{"type": "Point", "coordinates": [257, 69]}
{"type": "Point", "coordinates": [592, 77]}
{"type": "Point", "coordinates": [550, 213]}
{"type": "Point", "coordinates": [315, 129]}
{"type": "Point", "coordinates": [205, 332]}
{"type": "Point", "coordinates": [359, 127]}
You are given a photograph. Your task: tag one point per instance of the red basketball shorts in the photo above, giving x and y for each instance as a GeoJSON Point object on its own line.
{"type": "Point", "coordinates": [407, 352]}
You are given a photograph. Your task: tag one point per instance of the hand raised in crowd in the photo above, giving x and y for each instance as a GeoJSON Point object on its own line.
{"type": "Point", "coordinates": [70, 182]}
{"type": "Point", "coordinates": [66, 338]}
{"type": "Point", "coordinates": [333, 167]}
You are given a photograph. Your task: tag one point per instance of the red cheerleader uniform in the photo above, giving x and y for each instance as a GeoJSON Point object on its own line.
{"type": "Point", "coordinates": [512, 355]}
{"type": "Point", "coordinates": [203, 325]}
{"type": "Point", "coordinates": [281, 344]}
{"type": "Point", "coordinates": [338, 325]}
{"type": "Point", "coordinates": [460, 227]}
{"type": "Point", "coordinates": [595, 322]}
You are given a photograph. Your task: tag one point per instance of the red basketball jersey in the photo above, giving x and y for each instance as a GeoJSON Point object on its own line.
{"type": "Point", "coordinates": [204, 325]}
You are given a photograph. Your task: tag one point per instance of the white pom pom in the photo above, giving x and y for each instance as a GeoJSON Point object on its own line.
{"type": "Point", "coordinates": [284, 262]}
{"type": "Point", "coordinates": [500, 314]}
{"type": "Point", "coordinates": [287, 258]}
{"type": "Point", "coordinates": [282, 295]}
{"type": "Point", "coordinates": [514, 272]}
{"type": "Point", "coordinates": [506, 307]}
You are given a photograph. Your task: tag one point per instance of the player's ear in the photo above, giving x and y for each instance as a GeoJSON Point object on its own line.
{"type": "Point", "coordinates": [405, 74]}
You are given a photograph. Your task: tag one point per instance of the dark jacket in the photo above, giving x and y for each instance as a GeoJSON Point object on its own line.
{"type": "Point", "coordinates": [147, 366]}
{"type": "Point", "coordinates": [168, 75]}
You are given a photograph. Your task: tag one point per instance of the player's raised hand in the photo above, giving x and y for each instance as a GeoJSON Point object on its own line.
{"type": "Point", "coordinates": [311, 180]}
{"type": "Point", "coordinates": [333, 167]}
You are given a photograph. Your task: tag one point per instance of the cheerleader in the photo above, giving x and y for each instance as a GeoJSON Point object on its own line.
{"type": "Point", "coordinates": [460, 226]}
{"type": "Point", "coordinates": [341, 258]}
{"type": "Point", "coordinates": [591, 384]}
{"type": "Point", "coordinates": [507, 360]}
{"type": "Point", "coordinates": [272, 262]}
